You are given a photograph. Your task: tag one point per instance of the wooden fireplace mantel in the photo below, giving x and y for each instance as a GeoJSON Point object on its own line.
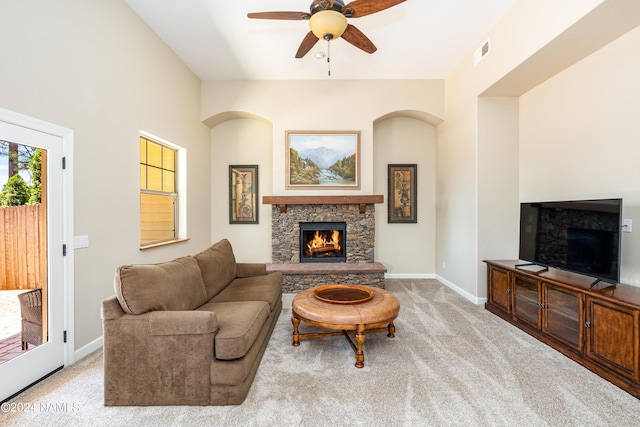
{"type": "Point", "coordinates": [361, 200]}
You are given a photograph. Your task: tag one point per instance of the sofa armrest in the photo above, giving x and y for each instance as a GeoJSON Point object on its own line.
{"type": "Point", "coordinates": [157, 358]}
{"type": "Point", "coordinates": [182, 323]}
{"type": "Point", "coordinates": [111, 309]}
{"type": "Point", "coordinates": [247, 269]}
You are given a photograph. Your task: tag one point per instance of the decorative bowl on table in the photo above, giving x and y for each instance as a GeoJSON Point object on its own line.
{"type": "Point", "coordinates": [343, 294]}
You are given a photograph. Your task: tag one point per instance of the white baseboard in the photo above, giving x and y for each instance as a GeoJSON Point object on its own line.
{"type": "Point", "coordinates": [408, 276]}
{"type": "Point", "coordinates": [87, 349]}
{"type": "Point", "coordinates": [460, 291]}
{"type": "Point", "coordinates": [440, 279]}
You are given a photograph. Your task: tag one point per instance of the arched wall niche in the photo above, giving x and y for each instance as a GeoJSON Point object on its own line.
{"type": "Point", "coordinates": [406, 137]}
{"type": "Point", "coordinates": [241, 138]}
{"type": "Point", "coordinates": [411, 114]}
{"type": "Point", "coordinates": [219, 118]}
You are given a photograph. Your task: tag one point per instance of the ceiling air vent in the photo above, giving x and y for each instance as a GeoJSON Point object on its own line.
{"type": "Point", "coordinates": [481, 52]}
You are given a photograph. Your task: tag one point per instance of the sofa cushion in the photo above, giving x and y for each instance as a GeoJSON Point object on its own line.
{"type": "Point", "coordinates": [239, 324]}
{"type": "Point", "coordinates": [218, 266]}
{"type": "Point", "coordinates": [250, 269]}
{"type": "Point", "coordinates": [267, 288]}
{"type": "Point", "coordinates": [172, 285]}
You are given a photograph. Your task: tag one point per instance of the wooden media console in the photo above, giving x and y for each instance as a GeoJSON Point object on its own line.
{"type": "Point", "coordinates": [597, 327]}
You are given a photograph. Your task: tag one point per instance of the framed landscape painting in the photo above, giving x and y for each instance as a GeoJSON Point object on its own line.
{"type": "Point", "coordinates": [322, 160]}
{"type": "Point", "coordinates": [402, 187]}
{"type": "Point", "coordinates": [243, 194]}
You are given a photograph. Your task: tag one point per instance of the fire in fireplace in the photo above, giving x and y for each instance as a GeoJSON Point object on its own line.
{"type": "Point", "coordinates": [323, 242]}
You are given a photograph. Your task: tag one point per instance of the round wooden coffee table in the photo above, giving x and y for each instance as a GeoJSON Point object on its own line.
{"type": "Point", "coordinates": [359, 318]}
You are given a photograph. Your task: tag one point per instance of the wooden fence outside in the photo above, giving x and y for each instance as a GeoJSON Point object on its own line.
{"type": "Point", "coordinates": [23, 257]}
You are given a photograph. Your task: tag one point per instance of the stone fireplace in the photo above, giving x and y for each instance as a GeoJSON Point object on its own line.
{"type": "Point", "coordinates": [354, 263]}
{"type": "Point", "coordinates": [360, 228]}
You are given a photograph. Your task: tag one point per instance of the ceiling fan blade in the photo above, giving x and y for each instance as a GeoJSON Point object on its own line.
{"type": "Point", "coordinates": [358, 39]}
{"type": "Point", "coordinates": [309, 42]}
{"type": "Point", "coordinates": [367, 7]}
{"type": "Point", "coordinates": [286, 16]}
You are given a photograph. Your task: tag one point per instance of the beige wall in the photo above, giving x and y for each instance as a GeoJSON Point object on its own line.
{"type": "Point", "coordinates": [533, 42]}
{"type": "Point", "coordinates": [579, 137]}
{"type": "Point", "coordinates": [396, 120]}
{"type": "Point", "coordinates": [520, 57]}
{"type": "Point", "coordinates": [498, 210]}
{"type": "Point", "coordinates": [456, 211]}
{"type": "Point", "coordinates": [95, 68]}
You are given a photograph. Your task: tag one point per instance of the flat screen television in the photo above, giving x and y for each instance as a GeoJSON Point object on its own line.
{"type": "Point", "coordinates": [582, 236]}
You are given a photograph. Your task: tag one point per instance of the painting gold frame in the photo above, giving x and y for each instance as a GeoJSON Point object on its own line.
{"type": "Point", "coordinates": [243, 194]}
{"type": "Point", "coordinates": [322, 160]}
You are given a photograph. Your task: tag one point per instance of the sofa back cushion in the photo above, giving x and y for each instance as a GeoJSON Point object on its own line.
{"type": "Point", "coordinates": [218, 267]}
{"type": "Point", "coordinates": [172, 285]}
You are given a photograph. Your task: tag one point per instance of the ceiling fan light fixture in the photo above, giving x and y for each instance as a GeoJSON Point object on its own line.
{"type": "Point", "coordinates": [328, 24]}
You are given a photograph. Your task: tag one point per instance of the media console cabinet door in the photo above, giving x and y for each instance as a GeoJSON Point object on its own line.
{"type": "Point", "coordinates": [499, 288]}
{"type": "Point", "coordinates": [526, 300]}
{"type": "Point", "coordinates": [564, 319]}
{"type": "Point", "coordinates": [613, 337]}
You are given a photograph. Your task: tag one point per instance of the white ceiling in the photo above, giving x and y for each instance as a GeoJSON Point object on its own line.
{"type": "Point", "coordinates": [417, 39]}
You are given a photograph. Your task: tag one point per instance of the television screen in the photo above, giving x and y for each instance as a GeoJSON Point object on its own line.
{"type": "Point", "coordinates": [581, 236]}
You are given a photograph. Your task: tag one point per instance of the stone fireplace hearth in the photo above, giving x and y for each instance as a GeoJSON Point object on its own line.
{"type": "Point", "coordinates": [357, 212]}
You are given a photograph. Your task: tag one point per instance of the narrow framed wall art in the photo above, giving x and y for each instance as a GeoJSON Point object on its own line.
{"type": "Point", "coordinates": [243, 194]}
{"type": "Point", "coordinates": [403, 193]}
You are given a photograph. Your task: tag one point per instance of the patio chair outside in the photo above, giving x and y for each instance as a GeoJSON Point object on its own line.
{"type": "Point", "coordinates": [31, 312]}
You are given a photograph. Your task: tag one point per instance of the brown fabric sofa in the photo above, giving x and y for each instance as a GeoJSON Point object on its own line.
{"type": "Point", "coordinates": [191, 331]}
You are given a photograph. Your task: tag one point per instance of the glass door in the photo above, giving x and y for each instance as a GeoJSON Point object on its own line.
{"type": "Point", "coordinates": [563, 318]}
{"type": "Point", "coordinates": [526, 300]}
{"type": "Point", "coordinates": [31, 257]}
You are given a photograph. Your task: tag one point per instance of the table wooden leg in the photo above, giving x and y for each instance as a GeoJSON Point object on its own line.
{"type": "Point", "coordinates": [392, 330]}
{"type": "Point", "coordinates": [296, 335]}
{"type": "Point", "coordinates": [359, 342]}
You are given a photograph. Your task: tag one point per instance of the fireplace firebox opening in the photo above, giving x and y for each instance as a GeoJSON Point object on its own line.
{"type": "Point", "coordinates": [323, 242]}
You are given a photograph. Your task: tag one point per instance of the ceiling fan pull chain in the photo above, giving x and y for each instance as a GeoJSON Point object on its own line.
{"type": "Point", "coordinates": [329, 56]}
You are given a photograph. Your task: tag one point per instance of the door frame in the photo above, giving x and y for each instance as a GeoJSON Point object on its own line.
{"type": "Point", "coordinates": [67, 137]}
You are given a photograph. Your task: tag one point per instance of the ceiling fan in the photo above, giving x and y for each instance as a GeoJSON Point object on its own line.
{"type": "Point", "coordinates": [328, 21]}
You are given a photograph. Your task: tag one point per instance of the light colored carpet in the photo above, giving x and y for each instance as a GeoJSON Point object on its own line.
{"type": "Point", "coordinates": [451, 364]}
